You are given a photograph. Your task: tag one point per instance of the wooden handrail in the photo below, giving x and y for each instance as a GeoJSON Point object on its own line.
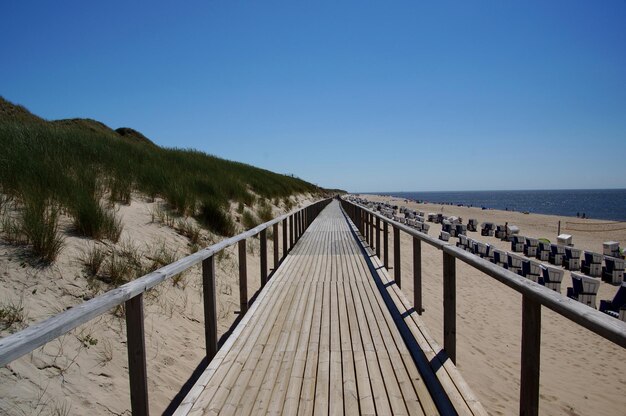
{"type": "Point", "coordinates": [131, 294]}
{"type": "Point", "coordinates": [534, 296]}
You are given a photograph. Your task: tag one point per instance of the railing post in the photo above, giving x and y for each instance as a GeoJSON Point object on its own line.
{"type": "Point", "coordinates": [397, 274]}
{"type": "Point", "coordinates": [290, 232]}
{"type": "Point", "coordinates": [263, 255]}
{"type": "Point", "coordinates": [136, 346]}
{"type": "Point", "coordinates": [417, 275]}
{"type": "Point", "coordinates": [284, 238]}
{"type": "Point", "coordinates": [210, 307]}
{"type": "Point", "coordinates": [449, 305]}
{"type": "Point", "coordinates": [363, 222]}
{"type": "Point", "coordinates": [366, 228]}
{"type": "Point", "coordinates": [371, 233]}
{"type": "Point", "coordinates": [298, 230]}
{"type": "Point", "coordinates": [386, 244]}
{"type": "Point", "coordinates": [243, 277]}
{"type": "Point", "coordinates": [531, 353]}
{"type": "Point", "coordinates": [275, 244]}
{"type": "Point", "coordinates": [378, 237]}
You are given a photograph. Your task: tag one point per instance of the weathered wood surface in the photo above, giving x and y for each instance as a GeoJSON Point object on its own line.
{"type": "Point", "coordinates": [320, 338]}
{"type": "Point", "coordinates": [136, 345]}
{"type": "Point", "coordinates": [210, 307]}
{"type": "Point", "coordinates": [531, 352]}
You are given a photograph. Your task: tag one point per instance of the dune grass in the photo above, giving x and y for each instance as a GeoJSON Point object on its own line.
{"type": "Point", "coordinates": [72, 166]}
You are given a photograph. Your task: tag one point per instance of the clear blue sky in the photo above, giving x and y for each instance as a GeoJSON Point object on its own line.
{"type": "Point", "coordinates": [366, 96]}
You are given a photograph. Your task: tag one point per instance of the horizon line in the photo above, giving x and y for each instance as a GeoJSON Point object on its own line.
{"type": "Point", "coordinates": [491, 190]}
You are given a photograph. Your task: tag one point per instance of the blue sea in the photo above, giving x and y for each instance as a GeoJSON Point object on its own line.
{"type": "Point", "coordinates": [606, 204]}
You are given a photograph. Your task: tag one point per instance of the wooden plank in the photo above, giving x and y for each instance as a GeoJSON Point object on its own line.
{"type": "Point", "coordinates": [322, 382]}
{"type": "Point", "coordinates": [286, 392]}
{"type": "Point", "coordinates": [411, 395]}
{"type": "Point", "coordinates": [335, 405]}
{"type": "Point", "coordinates": [246, 332]}
{"type": "Point", "coordinates": [136, 345]}
{"type": "Point", "coordinates": [243, 278]}
{"type": "Point", "coordinates": [292, 395]}
{"type": "Point", "coordinates": [350, 390]}
{"type": "Point", "coordinates": [408, 376]}
{"type": "Point", "coordinates": [531, 357]}
{"type": "Point", "coordinates": [276, 352]}
{"type": "Point", "coordinates": [306, 401]}
{"type": "Point", "coordinates": [252, 392]}
{"type": "Point", "coordinates": [363, 385]}
{"type": "Point", "coordinates": [449, 306]}
{"type": "Point", "coordinates": [378, 386]}
{"type": "Point", "coordinates": [459, 392]}
{"type": "Point", "coordinates": [232, 361]}
{"type": "Point", "coordinates": [385, 358]}
{"type": "Point", "coordinates": [210, 307]}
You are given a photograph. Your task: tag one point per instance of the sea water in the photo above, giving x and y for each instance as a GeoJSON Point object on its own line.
{"type": "Point", "coordinates": [607, 204]}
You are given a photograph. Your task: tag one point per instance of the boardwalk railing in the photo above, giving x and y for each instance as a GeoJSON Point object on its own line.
{"type": "Point", "coordinates": [534, 296]}
{"type": "Point", "coordinates": [131, 295]}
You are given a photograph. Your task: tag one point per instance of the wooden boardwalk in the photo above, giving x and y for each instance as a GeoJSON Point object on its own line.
{"type": "Point", "coordinates": [330, 334]}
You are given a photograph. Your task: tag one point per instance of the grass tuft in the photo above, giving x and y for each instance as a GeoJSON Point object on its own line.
{"type": "Point", "coordinates": [11, 313]}
{"type": "Point", "coordinates": [215, 219]}
{"type": "Point", "coordinates": [249, 220]}
{"type": "Point", "coordinates": [264, 212]}
{"type": "Point", "coordinates": [39, 223]}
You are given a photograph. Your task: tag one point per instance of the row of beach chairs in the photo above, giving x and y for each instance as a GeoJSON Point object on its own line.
{"type": "Point", "coordinates": [570, 258]}
{"type": "Point", "coordinates": [548, 276]}
{"type": "Point", "coordinates": [584, 287]}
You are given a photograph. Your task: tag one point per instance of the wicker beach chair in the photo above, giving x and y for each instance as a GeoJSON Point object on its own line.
{"type": "Point", "coordinates": [613, 307]}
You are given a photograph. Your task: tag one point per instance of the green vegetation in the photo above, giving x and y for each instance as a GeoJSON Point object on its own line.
{"type": "Point", "coordinates": [264, 211]}
{"type": "Point", "coordinates": [74, 166]}
{"type": "Point", "coordinates": [249, 220]}
{"type": "Point", "coordinates": [11, 313]}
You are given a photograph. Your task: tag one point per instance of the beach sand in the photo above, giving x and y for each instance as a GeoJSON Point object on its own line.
{"type": "Point", "coordinates": [86, 371]}
{"type": "Point", "coordinates": [581, 372]}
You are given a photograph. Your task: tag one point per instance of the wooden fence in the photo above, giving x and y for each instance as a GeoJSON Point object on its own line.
{"type": "Point", "coordinates": [131, 295]}
{"type": "Point", "coordinates": [534, 296]}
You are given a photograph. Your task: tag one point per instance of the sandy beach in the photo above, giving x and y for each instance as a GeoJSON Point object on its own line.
{"type": "Point", "coordinates": [581, 373]}
{"type": "Point", "coordinates": [86, 371]}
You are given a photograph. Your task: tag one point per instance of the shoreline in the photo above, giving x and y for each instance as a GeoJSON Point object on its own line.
{"type": "Point", "coordinates": [584, 214]}
{"type": "Point", "coordinates": [557, 217]}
